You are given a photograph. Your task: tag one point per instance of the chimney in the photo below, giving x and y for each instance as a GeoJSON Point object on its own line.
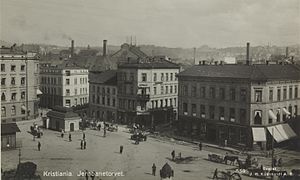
{"type": "Point", "coordinates": [104, 47]}
{"type": "Point", "coordinates": [248, 54]}
{"type": "Point", "coordinates": [195, 55]}
{"type": "Point", "coordinates": [72, 48]}
{"type": "Point", "coordinates": [287, 52]}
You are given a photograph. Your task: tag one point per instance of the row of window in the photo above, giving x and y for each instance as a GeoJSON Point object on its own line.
{"type": "Point", "coordinates": [12, 81]}
{"type": "Point", "coordinates": [287, 93]}
{"type": "Point", "coordinates": [82, 91]}
{"type": "Point", "coordinates": [222, 94]}
{"type": "Point", "coordinates": [130, 104]}
{"type": "Point", "coordinates": [81, 81]}
{"type": "Point", "coordinates": [13, 111]}
{"type": "Point", "coordinates": [13, 96]}
{"type": "Point", "coordinates": [102, 101]}
{"type": "Point", "coordinates": [163, 77]}
{"type": "Point", "coordinates": [163, 90]}
{"type": "Point", "coordinates": [212, 112]}
{"type": "Point", "coordinates": [76, 102]}
{"type": "Point", "coordinates": [164, 103]}
{"type": "Point", "coordinates": [104, 90]}
{"type": "Point", "coordinates": [13, 68]}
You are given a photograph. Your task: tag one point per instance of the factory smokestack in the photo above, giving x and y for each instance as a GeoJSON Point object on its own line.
{"type": "Point", "coordinates": [72, 48]}
{"type": "Point", "coordinates": [104, 47]}
{"type": "Point", "coordinates": [248, 62]}
{"type": "Point", "coordinates": [287, 52]}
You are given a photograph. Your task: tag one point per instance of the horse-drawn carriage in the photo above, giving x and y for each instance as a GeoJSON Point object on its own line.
{"type": "Point", "coordinates": [216, 158]}
{"type": "Point", "coordinates": [227, 175]}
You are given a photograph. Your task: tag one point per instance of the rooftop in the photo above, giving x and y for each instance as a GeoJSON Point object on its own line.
{"type": "Point", "coordinates": [239, 71]}
{"type": "Point", "coordinates": [108, 77]}
{"type": "Point", "coordinates": [62, 112]}
{"type": "Point", "coordinates": [149, 64]}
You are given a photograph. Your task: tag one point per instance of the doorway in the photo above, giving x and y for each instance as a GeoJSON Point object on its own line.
{"type": "Point", "coordinates": [72, 127]}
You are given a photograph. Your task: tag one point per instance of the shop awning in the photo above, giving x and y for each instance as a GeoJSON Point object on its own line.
{"type": "Point", "coordinates": [288, 130]}
{"type": "Point", "coordinates": [259, 134]}
{"type": "Point", "coordinates": [285, 111]}
{"type": "Point", "coordinates": [276, 134]}
{"type": "Point", "coordinates": [39, 92]}
{"type": "Point", "coordinates": [272, 115]}
{"type": "Point", "coordinates": [23, 108]}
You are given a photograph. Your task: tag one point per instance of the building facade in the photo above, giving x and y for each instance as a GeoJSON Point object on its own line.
{"type": "Point", "coordinates": [147, 92]}
{"type": "Point", "coordinates": [19, 85]}
{"type": "Point", "coordinates": [65, 85]}
{"type": "Point", "coordinates": [239, 105]}
{"type": "Point", "coordinates": [103, 95]}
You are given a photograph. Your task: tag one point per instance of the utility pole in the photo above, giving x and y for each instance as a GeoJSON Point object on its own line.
{"type": "Point", "coordinates": [27, 95]}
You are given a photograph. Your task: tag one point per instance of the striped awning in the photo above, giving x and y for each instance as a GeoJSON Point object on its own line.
{"type": "Point", "coordinates": [39, 92]}
{"type": "Point", "coordinates": [272, 115]}
{"type": "Point", "coordinates": [23, 107]}
{"type": "Point", "coordinates": [259, 134]}
{"type": "Point", "coordinates": [285, 111]}
{"type": "Point", "coordinates": [281, 132]}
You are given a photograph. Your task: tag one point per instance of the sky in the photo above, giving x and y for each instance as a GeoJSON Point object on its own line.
{"type": "Point", "coordinates": [171, 23]}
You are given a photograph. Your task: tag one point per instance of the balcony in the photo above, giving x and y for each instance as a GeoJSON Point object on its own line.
{"type": "Point", "coordinates": [143, 97]}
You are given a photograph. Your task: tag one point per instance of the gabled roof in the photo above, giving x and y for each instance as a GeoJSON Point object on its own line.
{"type": "Point", "coordinates": [108, 77]}
{"type": "Point", "coordinates": [251, 72]}
{"type": "Point", "coordinates": [133, 49]}
{"type": "Point", "coordinates": [9, 128]}
{"type": "Point", "coordinates": [160, 64]}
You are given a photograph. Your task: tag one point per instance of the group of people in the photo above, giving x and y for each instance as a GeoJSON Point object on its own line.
{"type": "Point", "coordinates": [277, 162]}
{"type": "Point", "coordinates": [173, 155]}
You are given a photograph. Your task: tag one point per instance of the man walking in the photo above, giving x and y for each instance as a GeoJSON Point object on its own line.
{"type": "Point", "coordinates": [62, 133]}
{"type": "Point", "coordinates": [70, 137]}
{"type": "Point", "coordinates": [121, 149]}
{"type": "Point", "coordinates": [215, 174]}
{"type": "Point", "coordinates": [173, 155]}
{"type": "Point", "coordinates": [39, 146]}
{"type": "Point", "coordinates": [153, 169]}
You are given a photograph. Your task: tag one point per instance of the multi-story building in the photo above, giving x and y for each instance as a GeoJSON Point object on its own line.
{"type": "Point", "coordinates": [103, 95]}
{"type": "Point", "coordinates": [19, 85]}
{"type": "Point", "coordinates": [239, 104]}
{"type": "Point", "coordinates": [147, 91]}
{"type": "Point", "coordinates": [65, 85]}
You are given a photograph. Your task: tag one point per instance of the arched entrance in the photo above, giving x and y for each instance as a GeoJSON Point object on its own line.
{"type": "Point", "coordinates": [72, 127]}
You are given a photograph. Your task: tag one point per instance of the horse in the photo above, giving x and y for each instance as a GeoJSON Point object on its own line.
{"type": "Point", "coordinates": [232, 159]}
{"type": "Point", "coordinates": [242, 165]}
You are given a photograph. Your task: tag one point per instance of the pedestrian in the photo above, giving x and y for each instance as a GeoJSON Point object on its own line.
{"type": "Point", "coordinates": [81, 144]}
{"type": "Point", "coordinates": [173, 155]}
{"type": "Point", "coordinates": [93, 174]}
{"type": "Point", "coordinates": [121, 149]}
{"type": "Point", "coordinates": [225, 143]}
{"type": "Point", "coordinates": [215, 174]}
{"type": "Point", "coordinates": [62, 133]}
{"type": "Point", "coordinates": [153, 169]}
{"type": "Point", "coordinates": [104, 132]}
{"type": "Point", "coordinates": [200, 146]}
{"type": "Point", "coordinates": [179, 155]}
{"type": "Point", "coordinates": [86, 174]}
{"type": "Point", "coordinates": [83, 136]}
{"type": "Point", "coordinates": [279, 163]}
{"type": "Point", "coordinates": [84, 144]}
{"type": "Point", "coordinates": [70, 137]}
{"type": "Point", "coordinates": [39, 146]}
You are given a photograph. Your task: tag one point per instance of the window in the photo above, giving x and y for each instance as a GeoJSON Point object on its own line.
{"type": "Point", "coordinates": [175, 89]}
{"type": "Point", "coordinates": [68, 92]}
{"type": "Point", "coordinates": [278, 115]}
{"type": "Point", "coordinates": [257, 117]}
{"type": "Point", "coordinates": [2, 67]}
{"type": "Point", "coordinates": [114, 102]}
{"type": "Point", "coordinates": [221, 113]}
{"type": "Point", "coordinates": [103, 90]}
{"type": "Point", "coordinates": [23, 95]}
{"type": "Point", "coordinates": [212, 92]}
{"type": "Point", "coordinates": [162, 76]}
{"type": "Point", "coordinates": [3, 111]}
{"type": "Point", "coordinates": [22, 80]}
{"type": "Point", "coordinates": [185, 108]}
{"type": "Point", "coordinates": [75, 91]}
{"type": "Point", "coordinates": [13, 110]}
{"type": "Point", "coordinates": [22, 67]}
{"type": "Point", "coordinates": [13, 68]}
{"type": "Point", "coordinates": [202, 92]}
{"type": "Point", "coordinates": [166, 102]}
{"type": "Point", "coordinates": [154, 91]}
{"type": "Point", "coordinates": [13, 81]}
{"type": "Point", "coordinates": [68, 73]}
{"type": "Point", "coordinates": [296, 92]}
{"type": "Point", "coordinates": [290, 92]}
{"type": "Point", "coordinates": [194, 90]}
{"type": "Point", "coordinates": [232, 114]}
{"type": "Point", "coordinates": [13, 96]}
{"type": "Point", "coordinates": [161, 89]}
{"type": "Point", "coordinates": [232, 94]}
{"type": "Point", "coordinates": [185, 90]}
{"type": "Point", "coordinates": [212, 112]}
{"type": "Point", "coordinates": [194, 109]}
{"type": "Point", "coordinates": [108, 90]}
{"type": "Point", "coordinates": [68, 81]}
{"type": "Point", "coordinates": [222, 93]}
{"type": "Point", "coordinates": [171, 77]}
{"type": "Point", "coordinates": [23, 110]}
{"type": "Point", "coordinates": [144, 77]}
{"type": "Point", "coordinates": [202, 110]}
{"type": "Point", "coordinates": [3, 97]}
{"type": "Point", "coordinates": [3, 81]}
{"type": "Point", "coordinates": [154, 77]}
{"type": "Point", "coordinates": [161, 103]}
{"type": "Point", "coordinates": [167, 76]}
{"type": "Point", "coordinates": [171, 89]}
{"type": "Point", "coordinates": [114, 91]}
{"type": "Point", "coordinates": [243, 116]}
{"type": "Point", "coordinates": [103, 100]}
{"type": "Point", "coordinates": [278, 94]}
{"type": "Point", "coordinates": [271, 94]}
{"type": "Point", "coordinates": [98, 100]}
{"type": "Point", "coordinates": [296, 110]}
{"type": "Point", "coordinates": [258, 95]}
{"type": "Point", "coordinates": [68, 102]}
{"type": "Point", "coordinates": [108, 101]}
{"type": "Point", "coordinates": [284, 93]}
{"type": "Point", "coordinates": [243, 95]}
{"type": "Point", "coordinates": [167, 89]}
{"type": "Point", "coordinates": [175, 102]}
{"type": "Point", "coordinates": [176, 76]}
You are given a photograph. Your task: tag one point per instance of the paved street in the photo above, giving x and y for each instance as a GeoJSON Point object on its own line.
{"type": "Point", "coordinates": [102, 154]}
